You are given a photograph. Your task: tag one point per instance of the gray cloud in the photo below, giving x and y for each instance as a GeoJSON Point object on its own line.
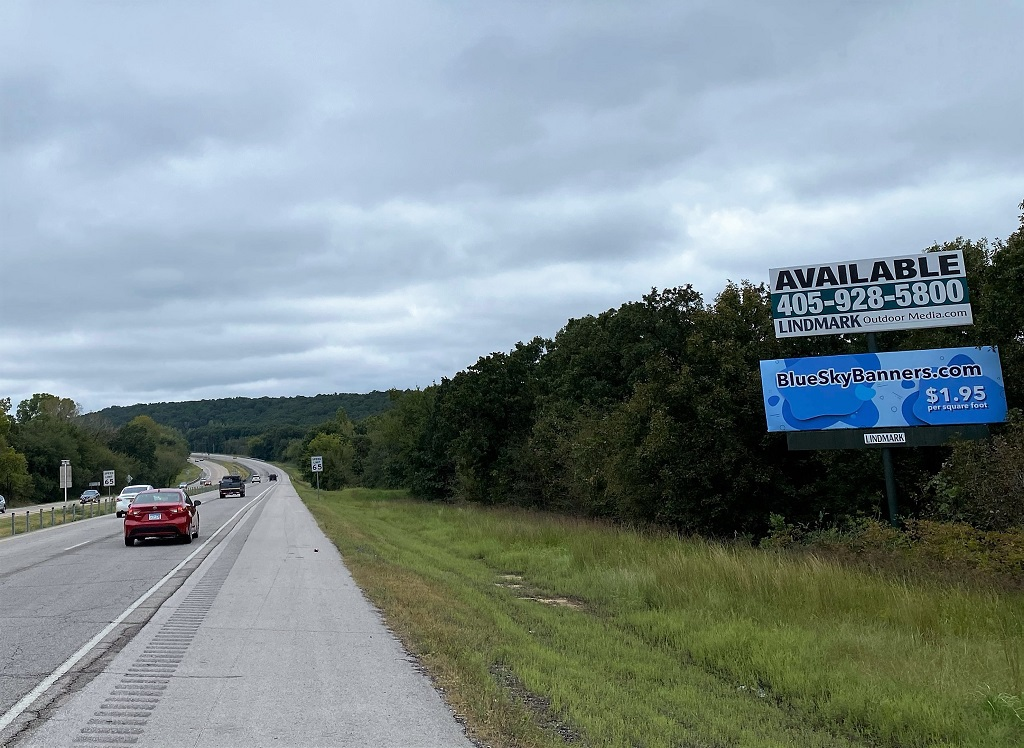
{"type": "Point", "coordinates": [216, 199]}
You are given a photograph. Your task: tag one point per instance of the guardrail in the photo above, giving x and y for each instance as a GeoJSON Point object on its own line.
{"type": "Point", "coordinates": [23, 521]}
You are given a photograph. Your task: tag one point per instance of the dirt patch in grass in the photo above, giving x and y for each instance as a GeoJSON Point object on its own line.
{"type": "Point", "coordinates": [516, 582]}
{"type": "Point", "coordinates": [558, 602]}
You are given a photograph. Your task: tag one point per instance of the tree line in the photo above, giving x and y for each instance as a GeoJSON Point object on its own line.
{"type": "Point", "coordinates": [260, 426]}
{"type": "Point", "coordinates": [653, 413]}
{"type": "Point", "coordinates": [46, 429]}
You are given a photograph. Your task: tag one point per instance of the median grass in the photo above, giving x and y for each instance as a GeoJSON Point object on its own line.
{"type": "Point", "coordinates": [233, 468]}
{"type": "Point", "coordinates": [543, 630]}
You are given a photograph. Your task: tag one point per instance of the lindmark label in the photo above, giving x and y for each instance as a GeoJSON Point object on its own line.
{"type": "Point", "coordinates": [895, 437]}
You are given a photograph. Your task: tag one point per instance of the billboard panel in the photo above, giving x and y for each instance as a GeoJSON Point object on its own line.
{"type": "Point", "coordinates": [885, 293]}
{"type": "Point", "coordinates": [883, 390]}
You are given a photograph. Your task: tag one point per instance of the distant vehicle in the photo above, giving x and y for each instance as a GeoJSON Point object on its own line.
{"type": "Point", "coordinates": [162, 513]}
{"type": "Point", "coordinates": [205, 482]}
{"type": "Point", "coordinates": [256, 479]}
{"type": "Point", "coordinates": [183, 485]}
{"type": "Point", "coordinates": [128, 493]}
{"type": "Point", "coordinates": [3, 505]}
{"type": "Point", "coordinates": [230, 484]}
{"type": "Point", "coordinates": [273, 476]}
{"type": "Point", "coordinates": [89, 496]}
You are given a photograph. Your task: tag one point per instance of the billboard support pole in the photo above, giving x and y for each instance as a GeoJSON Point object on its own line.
{"type": "Point", "coordinates": [890, 475]}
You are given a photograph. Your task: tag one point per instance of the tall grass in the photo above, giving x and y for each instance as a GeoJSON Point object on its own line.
{"type": "Point", "coordinates": [543, 629]}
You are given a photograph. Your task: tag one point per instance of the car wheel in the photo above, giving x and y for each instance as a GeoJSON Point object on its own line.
{"type": "Point", "coordinates": [188, 537]}
{"type": "Point", "coordinates": [130, 542]}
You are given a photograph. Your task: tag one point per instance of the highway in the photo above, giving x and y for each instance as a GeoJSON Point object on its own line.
{"type": "Point", "coordinates": [78, 609]}
{"type": "Point", "coordinates": [60, 586]}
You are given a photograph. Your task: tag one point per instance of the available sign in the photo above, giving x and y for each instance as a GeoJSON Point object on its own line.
{"type": "Point", "coordinates": [887, 293]}
{"type": "Point", "coordinates": [884, 390]}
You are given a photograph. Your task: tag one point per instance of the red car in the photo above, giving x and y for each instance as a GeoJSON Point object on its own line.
{"type": "Point", "coordinates": [162, 513]}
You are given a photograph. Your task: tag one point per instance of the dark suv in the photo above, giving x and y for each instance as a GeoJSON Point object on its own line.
{"type": "Point", "coordinates": [230, 484]}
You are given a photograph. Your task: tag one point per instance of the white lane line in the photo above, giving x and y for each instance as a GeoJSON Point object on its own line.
{"type": "Point", "coordinates": [28, 699]}
{"type": "Point", "coordinates": [78, 544]}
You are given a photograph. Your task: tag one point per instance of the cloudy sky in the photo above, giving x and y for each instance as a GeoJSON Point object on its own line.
{"type": "Point", "coordinates": [219, 198]}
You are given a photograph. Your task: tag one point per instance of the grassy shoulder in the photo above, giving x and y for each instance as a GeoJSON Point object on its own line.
{"type": "Point", "coordinates": [543, 630]}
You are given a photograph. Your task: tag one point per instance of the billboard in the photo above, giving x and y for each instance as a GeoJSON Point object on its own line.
{"type": "Point", "coordinates": [883, 390]}
{"type": "Point", "coordinates": [886, 293]}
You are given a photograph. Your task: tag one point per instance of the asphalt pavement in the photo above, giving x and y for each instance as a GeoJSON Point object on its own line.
{"type": "Point", "coordinates": [269, 642]}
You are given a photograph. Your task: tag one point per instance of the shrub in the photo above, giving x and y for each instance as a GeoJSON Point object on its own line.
{"type": "Point", "coordinates": [982, 482]}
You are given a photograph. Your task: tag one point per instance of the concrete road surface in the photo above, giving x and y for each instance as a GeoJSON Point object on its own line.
{"type": "Point", "coordinates": [268, 643]}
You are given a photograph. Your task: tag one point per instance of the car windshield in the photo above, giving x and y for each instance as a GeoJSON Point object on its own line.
{"type": "Point", "coordinates": [159, 497]}
{"type": "Point", "coordinates": [133, 489]}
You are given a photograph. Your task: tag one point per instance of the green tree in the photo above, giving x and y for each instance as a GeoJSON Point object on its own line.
{"type": "Point", "coordinates": [137, 439]}
{"type": "Point", "coordinates": [15, 481]}
{"type": "Point", "coordinates": [156, 453]}
{"type": "Point", "coordinates": [333, 441]}
{"type": "Point", "coordinates": [45, 405]}
{"type": "Point", "coordinates": [982, 482]}
{"type": "Point", "coordinates": [396, 439]}
{"type": "Point", "coordinates": [486, 414]}
{"type": "Point", "coordinates": [45, 434]}
{"type": "Point", "coordinates": [337, 453]}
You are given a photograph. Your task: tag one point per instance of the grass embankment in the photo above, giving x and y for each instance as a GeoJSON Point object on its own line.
{"type": "Point", "coordinates": [233, 468]}
{"type": "Point", "coordinates": [26, 519]}
{"type": "Point", "coordinates": [189, 473]}
{"type": "Point", "coordinates": [543, 631]}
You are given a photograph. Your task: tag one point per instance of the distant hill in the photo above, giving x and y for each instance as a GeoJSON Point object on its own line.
{"type": "Point", "coordinates": [212, 425]}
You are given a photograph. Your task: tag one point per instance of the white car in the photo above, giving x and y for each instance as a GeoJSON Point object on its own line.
{"type": "Point", "coordinates": [128, 493]}
{"type": "Point", "coordinates": [256, 479]}
{"type": "Point", "coordinates": [3, 505]}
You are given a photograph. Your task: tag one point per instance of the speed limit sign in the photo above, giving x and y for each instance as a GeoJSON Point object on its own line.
{"type": "Point", "coordinates": [318, 464]}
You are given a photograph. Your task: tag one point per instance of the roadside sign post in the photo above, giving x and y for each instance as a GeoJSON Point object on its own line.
{"type": "Point", "coordinates": [108, 480]}
{"type": "Point", "coordinates": [318, 467]}
{"type": "Point", "coordinates": [65, 477]}
{"type": "Point", "coordinates": [887, 469]}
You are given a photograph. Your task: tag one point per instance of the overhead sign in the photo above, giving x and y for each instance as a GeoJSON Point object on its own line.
{"type": "Point", "coordinates": [318, 464]}
{"type": "Point", "coordinates": [887, 293]}
{"type": "Point", "coordinates": [108, 478]}
{"type": "Point", "coordinates": [884, 390]}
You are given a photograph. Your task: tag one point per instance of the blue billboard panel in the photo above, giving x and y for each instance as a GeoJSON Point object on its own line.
{"type": "Point", "coordinates": [939, 387]}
